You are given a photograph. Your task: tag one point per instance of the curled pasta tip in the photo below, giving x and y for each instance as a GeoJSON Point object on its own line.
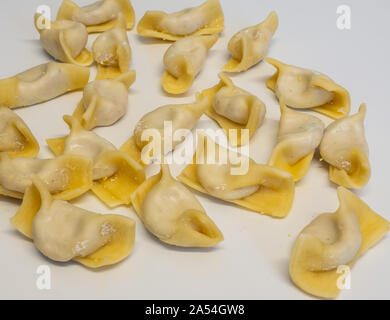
{"type": "Point", "coordinates": [363, 110]}
{"type": "Point", "coordinates": [127, 78]}
{"type": "Point", "coordinates": [45, 196]}
{"type": "Point", "coordinates": [225, 79]}
{"type": "Point", "coordinates": [88, 119]}
{"type": "Point", "coordinates": [37, 17]}
{"type": "Point", "coordinates": [272, 21]}
{"type": "Point", "coordinates": [210, 39]}
{"type": "Point", "coordinates": [73, 123]}
{"type": "Point", "coordinates": [67, 9]}
{"type": "Point", "coordinates": [274, 62]}
{"type": "Point", "coordinates": [342, 194]}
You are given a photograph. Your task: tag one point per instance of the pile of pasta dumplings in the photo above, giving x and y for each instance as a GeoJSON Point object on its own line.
{"type": "Point", "coordinates": [83, 161]}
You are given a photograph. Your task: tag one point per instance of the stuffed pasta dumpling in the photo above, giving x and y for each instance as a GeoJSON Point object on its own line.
{"type": "Point", "coordinates": [64, 232]}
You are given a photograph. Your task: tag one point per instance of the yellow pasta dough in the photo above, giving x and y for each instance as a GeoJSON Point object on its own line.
{"type": "Point", "coordinates": [183, 61]}
{"type": "Point", "coordinates": [334, 240]}
{"type": "Point", "coordinates": [15, 137]}
{"type": "Point", "coordinates": [130, 148]}
{"type": "Point", "coordinates": [42, 83]}
{"type": "Point", "coordinates": [249, 46]}
{"type": "Point", "coordinates": [260, 188]}
{"type": "Point", "coordinates": [302, 88]}
{"type": "Point", "coordinates": [205, 19]}
{"type": "Point", "coordinates": [64, 40]}
{"type": "Point", "coordinates": [234, 109]}
{"type": "Point", "coordinates": [64, 232]}
{"type": "Point", "coordinates": [299, 136]}
{"type": "Point", "coordinates": [345, 148]}
{"type": "Point", "coordinates": [115, 174]}
{"type": "Point", "coordinates": [98, 16]}
{"type": "Point", "coordinates": [173, 214]}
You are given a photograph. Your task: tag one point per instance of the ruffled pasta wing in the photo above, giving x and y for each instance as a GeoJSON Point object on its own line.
{"type": "Point", "coordinates": [117, 189]}
{"type": "Point", "coordinates": [358, 162]}
{"type": "Point", "coordinates": [122, 51]}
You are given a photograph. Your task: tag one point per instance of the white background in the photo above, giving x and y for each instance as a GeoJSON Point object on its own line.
{"type": "Point", "coordinates": [252, 262]}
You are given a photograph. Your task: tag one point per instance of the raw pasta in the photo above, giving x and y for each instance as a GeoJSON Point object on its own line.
{"type": "Point", "coordinates": [205, 19]}
{"type": "Point", "coordinates": [181, 221]}
{"type": "Point", "coordinates": [261, 188]}
{"type": "Point", "coordinates": [249, 46]}
{"type": "Point", "coordinates": [183, 61]}
{"type": "Point", "coordinates": [115, 174]}
{"type": "Point", "coordinates": [345, 148]}
{"type": "Point", "coordinates": [111, 50]}
{"type": "Point", "coordinates": [15, 137]}
{"type": "Point", "coordinates": [299, 136]}
{"type": "Point", "coordinates": [98, 16]}
{"type": "Point", "coordinates": [234, 109]}
{"type": "Point", "coordinates": [42, 83]}
{"type": "Point", "coordinates": [302, 89]}
{"type": "Point", "coordinates": [63, 232]}
{"type": "Point", "coordinates": [64, 40]}
{"type": "Point", "coordinates": [334, 240]}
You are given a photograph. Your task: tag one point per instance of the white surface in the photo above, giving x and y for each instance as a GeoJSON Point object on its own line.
{"type": "Point", "coordinates": [252, 262]}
